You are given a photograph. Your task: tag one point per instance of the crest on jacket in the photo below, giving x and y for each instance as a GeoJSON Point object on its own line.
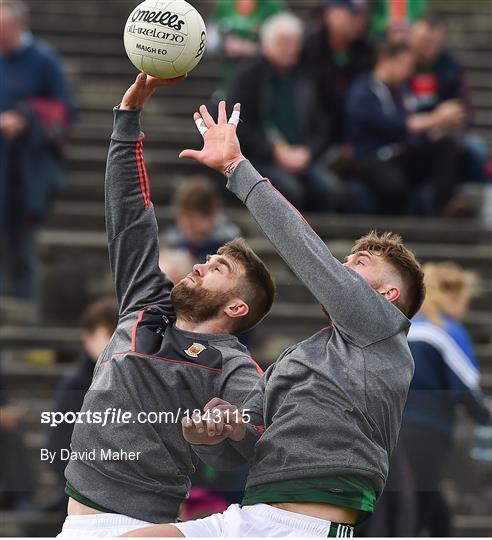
{"type": "Point", "coordinates": [195, 349]}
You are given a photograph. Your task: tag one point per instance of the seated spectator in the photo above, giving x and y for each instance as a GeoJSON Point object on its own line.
{"type": "Point", "coordinates": [283, 130]}
{"type": "Point", "coordinates": [35, 110]}
{"type": "Point", "coordinates": [392, 20]}
{"type": "Point", "coordinates": [396, 152]}
{"type": "Point", "coordinates": [201, 227]}
{"type": "Point", "coordinates": [233, 33]}
{"type": "Point", "coordinates": [17, 476]}
{"type": "Point", "coordinates": [99, 322]}
{"type": "Point", "coordinates": [338, 52]}
{"type": "Point", "coordinates": [446, 375]}
{"type": "Point", "coordinates": [440, 77]}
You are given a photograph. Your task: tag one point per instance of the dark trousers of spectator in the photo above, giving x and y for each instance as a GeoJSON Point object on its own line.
{"type": "Point", "coordinates": [18, 248]}
{"type": "Point", "coordinates": [394, 183]}
{"type": "Point", "coordinates": [427, 452]}
{"type": "Point", "coordinates": [317, 189]}
{"type": "Point", "coordinates": [17, 477]}
{"type": "Point", "coordinates": [20, 265]}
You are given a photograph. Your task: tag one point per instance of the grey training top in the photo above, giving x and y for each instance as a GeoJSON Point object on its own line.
{"type": "Point", "coordinates": [149, 365]}
{"type": "Point", "coordinates": [332, 404]}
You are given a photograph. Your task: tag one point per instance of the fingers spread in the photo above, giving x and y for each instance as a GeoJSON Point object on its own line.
{"type": "Point", "coordinates": [209, 121]}
{"type": "Point", "coordinates": [190, 154]}
{"type": "Point", "coordinates": [236, 115]}
{"type": "Point", "coordinates": [222, 118]}
{"type": "Point", "coordinates": [200, 124]}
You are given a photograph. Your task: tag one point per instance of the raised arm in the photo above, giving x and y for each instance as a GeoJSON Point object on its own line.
{"type": "Point", "coordinates": [356, 309]}
{"type": "Point", "coordinates": [130, 219]}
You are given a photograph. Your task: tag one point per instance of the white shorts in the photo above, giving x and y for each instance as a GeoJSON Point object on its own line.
{"type": "Point", "coordinates": [260, 520]}
{"type": "Point", "coordinates": [99, 525]}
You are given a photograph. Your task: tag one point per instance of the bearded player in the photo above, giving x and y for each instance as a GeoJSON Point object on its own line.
{"type": "Point", "coordinates": [331, 406]}
{"type": "Point", "coordinates": [173, 350]}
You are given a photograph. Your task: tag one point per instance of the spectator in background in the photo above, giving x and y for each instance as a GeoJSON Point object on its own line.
{"type": "Point", "coordinates": [234, 32]}
{"type": "Point", "coordinates": [338, 52]}
{"type": "Point", "coordinates": [35, 111]}
{"type": "Point", "coordinates": [17, 477]}
{"type": "Point", "coordinates": [391, 20]}
{"type": "Point", "coordinates": [201, 229]}
{"type": "Point", "coordinates": [176, 263]}
{"type": "Point", "coordinates": [397, 151]}
{"type": "Point", "coordinates": [201, 226]}
{"type": "Point", "coordinates": [439, 77]}
{"type": "Point", "coordinates": [98, 321]}
{"type": "Point", "coordinates": [446, 375]}
{"type": "Point", "coordinates": [283, 128]}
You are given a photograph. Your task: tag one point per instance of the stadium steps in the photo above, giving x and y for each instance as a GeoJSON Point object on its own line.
{"type": "Point", "coordinates": [425, 230]}
{"type": "Point", "coordinates": [473, 256]}
{"type": "Point", "coordinates": [63, 344]}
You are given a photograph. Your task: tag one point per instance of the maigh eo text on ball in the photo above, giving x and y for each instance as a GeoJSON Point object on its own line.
{"type": "Point", "coordinates": [155, 33]}
{"type": "Point", "coordinates": [165, 18]}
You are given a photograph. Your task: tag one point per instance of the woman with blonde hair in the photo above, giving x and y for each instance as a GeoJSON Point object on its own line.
{"type": "Point", "coordinates": [446, 375]}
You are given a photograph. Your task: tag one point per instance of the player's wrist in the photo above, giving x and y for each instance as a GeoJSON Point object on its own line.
{"type": "Point", "coordinates": [231, 166]}
{"type": "Point", "coordinates": [238, 433]}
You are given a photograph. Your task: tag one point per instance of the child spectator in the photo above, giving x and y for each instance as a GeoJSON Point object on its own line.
{"type": "Point", "coordinates": [99, 321]}
{"type": "Point", "coordinates": [201, 227]}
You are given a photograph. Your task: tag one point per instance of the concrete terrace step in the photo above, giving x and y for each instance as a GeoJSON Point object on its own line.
{"type": "Point", "coordinates": [93, 158]}
{"type": "Point", "coordinates": [295, 320]}
{"type": "Point", "coordinates": [105, 68]}
{"type": "Point", "coordinates": [329, 226]}
{"type": "Point", "coordinates": [68, 339]}
{"type": "Point", "coordinates": [476, 256]}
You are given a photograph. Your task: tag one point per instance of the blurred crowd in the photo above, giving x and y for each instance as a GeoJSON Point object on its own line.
{"type": "Point", "coordinates": [361, 109]}
{"type": "Point", "coordinates": [364, 110]}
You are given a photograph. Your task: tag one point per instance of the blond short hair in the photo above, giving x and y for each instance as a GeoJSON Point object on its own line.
{"type": "Point", "coordinates": [441, 280]}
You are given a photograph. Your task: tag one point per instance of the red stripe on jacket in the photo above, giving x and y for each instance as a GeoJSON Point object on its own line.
{"type": "Point", "coordinates": [142, 171]}
{"type": "Point", "coordinates": [135, 328]}
{"type": "Point", "coordinates": [258, 368]}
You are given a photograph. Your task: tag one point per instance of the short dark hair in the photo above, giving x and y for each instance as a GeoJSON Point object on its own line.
{"type": "Point", "coordinates": [391, 247]}
{"type": "Point", "coordinates": [392, 49]}
{"type": "Point", "coordinates": [101, 313]}
{"type": "Point", "coordinates": [258, 287]}
{"type": "Point", "coordinates": [198, 196]}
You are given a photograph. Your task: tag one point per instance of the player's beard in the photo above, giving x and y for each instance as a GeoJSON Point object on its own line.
{"type": "Point", "coordinates": [196, 304]}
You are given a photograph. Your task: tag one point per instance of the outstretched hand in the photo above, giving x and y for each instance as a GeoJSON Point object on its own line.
{"type": "Point", "coordinates": [221, 149]}
{"type": "Point", "coordinates": [142, 89]}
